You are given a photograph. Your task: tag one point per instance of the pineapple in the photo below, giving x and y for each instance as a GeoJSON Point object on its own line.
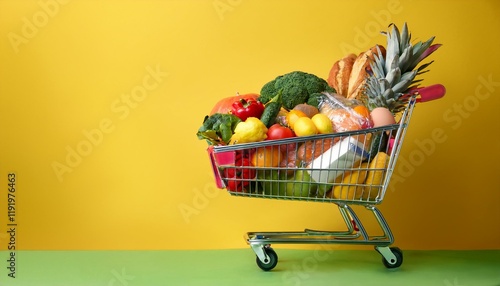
{"type": "Point", "coordinates": [394, 75]}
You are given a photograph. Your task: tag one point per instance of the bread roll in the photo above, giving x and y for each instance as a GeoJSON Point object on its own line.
{"type": "Point", "coordinates": [359, 72]}
{"type": "Point", "coordinates": [340, 72]}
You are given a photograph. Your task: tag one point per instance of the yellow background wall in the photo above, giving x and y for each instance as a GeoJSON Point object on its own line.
{"type": "Point", "coordinates": [127, 84]}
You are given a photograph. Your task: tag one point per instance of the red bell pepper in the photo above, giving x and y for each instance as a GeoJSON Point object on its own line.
{"type": "Point", "coordinates": [238, 178]}
{"type": "Point", "coordinates": [244, 108]}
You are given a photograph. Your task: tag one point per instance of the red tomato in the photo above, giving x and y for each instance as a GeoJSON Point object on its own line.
{"type": "Point", "coordinates": [278, 131]}
{"type": "Point", "coordinates": [225, 105]}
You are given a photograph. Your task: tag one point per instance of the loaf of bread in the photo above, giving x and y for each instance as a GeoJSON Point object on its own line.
{"type": "Point", "coordinates": [360, 70]}
{"type": "Point", "coordinates": [348, 75]}
{"type": "Point", "coordinates": [338, 77]}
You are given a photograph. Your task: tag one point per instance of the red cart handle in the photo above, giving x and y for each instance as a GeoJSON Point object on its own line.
{"type": "Point", "coordinates": [429, 93]}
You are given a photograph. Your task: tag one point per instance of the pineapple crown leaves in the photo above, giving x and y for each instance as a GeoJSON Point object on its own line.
{"type": "Point", "coordinates": [384, 95]}
{"type": "Point", "coordinates": [425, 54]}
{"type": "Point", "coordinates": [401, 52]}
{"type": "Point", "coordinates": [394, 74]}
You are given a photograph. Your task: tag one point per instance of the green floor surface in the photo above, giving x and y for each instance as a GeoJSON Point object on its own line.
{"type": "Point", "coordinates": [238, 267]}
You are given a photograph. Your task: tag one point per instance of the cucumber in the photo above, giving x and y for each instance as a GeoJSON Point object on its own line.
{"type": "Point", "coordinates": [270, 113]}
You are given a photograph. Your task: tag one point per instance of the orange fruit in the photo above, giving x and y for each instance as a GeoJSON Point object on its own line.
{"type": "Point", "coordinates": [304, 126]}
{"type": "Point", "coordinates": [362, 110]}
{"type": "Point", "coordinates": [266, 157]}
{"type": "Point", "coordinates": [293, 115]}
{"type": "Point", "coordinates": [366, 120]}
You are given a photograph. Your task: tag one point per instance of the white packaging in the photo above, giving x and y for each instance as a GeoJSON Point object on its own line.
{"type": "Point", "coordinates": [342, 156]}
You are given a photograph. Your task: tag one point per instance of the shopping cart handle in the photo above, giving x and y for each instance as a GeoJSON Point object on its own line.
{"type": "Point", "coordinates": [432, 92]}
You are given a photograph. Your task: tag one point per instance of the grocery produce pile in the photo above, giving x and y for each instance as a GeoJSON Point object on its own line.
{"type": "Point", "coordinates": [361, 92]}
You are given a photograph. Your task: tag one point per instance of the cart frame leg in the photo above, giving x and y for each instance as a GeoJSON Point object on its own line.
{"type": "Point", "coordinates": [351, 224]}
{"type": "Point", "coordinates": [355, 234]}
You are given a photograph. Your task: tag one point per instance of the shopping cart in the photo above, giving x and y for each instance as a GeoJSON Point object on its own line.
{"type": "Point", "coordinates": [346, 168]}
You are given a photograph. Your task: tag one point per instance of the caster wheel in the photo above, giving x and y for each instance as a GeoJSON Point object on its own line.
{"type": "Point", "coordinates": [271, 261]}
{"type": "Point", "coordinates": [394, 263]}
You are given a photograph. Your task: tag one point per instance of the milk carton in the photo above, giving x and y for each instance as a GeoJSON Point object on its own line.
{"type": "Point", "coordinates": [342, 156]}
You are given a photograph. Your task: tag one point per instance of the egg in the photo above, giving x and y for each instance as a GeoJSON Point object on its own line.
{"type": "Point", "coordinates": [382, 116]}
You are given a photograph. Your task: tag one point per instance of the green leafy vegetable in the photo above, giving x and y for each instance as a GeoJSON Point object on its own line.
{"type": "Point", "coordinates": [218, 128]}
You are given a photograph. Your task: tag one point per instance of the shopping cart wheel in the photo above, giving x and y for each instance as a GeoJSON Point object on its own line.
{"type": "Point", "coordinates": [271, 261]}
{"type": "Point", "coordinates": [394, 263]}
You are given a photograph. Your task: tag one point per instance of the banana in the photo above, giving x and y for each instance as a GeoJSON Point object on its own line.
{"type": "Point", "coordinates": [375, 177]}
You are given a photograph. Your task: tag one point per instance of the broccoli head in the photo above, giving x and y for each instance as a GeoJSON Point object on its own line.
{"type": "Point", "coordinates": [315, 99]}
{"type": "Point", "coordinates": [296, 88]}
{"type": "Point", "coordinates": [268, 91]}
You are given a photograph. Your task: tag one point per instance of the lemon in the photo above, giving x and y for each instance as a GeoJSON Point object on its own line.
{"type": "Point", "coordinates": [304, 126]}
{"type": "Point", "coordinates": [323, 124]}
{"type": "Point", "coordinates": [293, 115]}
